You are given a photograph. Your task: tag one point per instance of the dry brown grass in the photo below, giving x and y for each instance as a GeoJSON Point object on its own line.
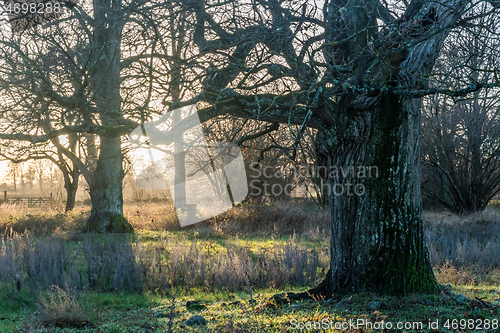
{"type": "Point", "coordinates": [116, 262]}
{"type": "Point", "coordinates": [490, 216]}
{"type": "Point", "coordinates": [468, 276]}
{"type": "Point", "coordinates": [463, 249]}
{"type": "Point", "coordinates": [271, 218]}
{"type": "Point", "coordinates": [41, 220]}
{"type": "Point", "coordinates": [61, 309]}
{"type": "Point", "coordinates": [151, 215]}
{"type": "Point", "coordinates": [284, 217]}
{"type": "Point", "coordinates": [464, 241]}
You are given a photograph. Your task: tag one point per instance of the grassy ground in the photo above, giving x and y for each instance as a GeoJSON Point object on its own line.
{"type": "Point", "coordinates": [232, 312]}
{"type": "Point", "coordinates": [464, 252]}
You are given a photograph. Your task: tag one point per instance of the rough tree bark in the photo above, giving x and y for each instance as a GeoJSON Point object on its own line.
{"type": "Point", "coordinates": [107, 185]}
{"type": "Point", "coordinates": [377, 234]}
{"type": "Point", "coordinates": [368, 113]}
{"type": "Point", "coordinates": [377, 239]}
{"type": "Point", "coordinates": [106, 190]}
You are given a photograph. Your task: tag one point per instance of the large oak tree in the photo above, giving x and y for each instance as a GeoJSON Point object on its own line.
{"type": "Point", "coordinates": [357, 71]}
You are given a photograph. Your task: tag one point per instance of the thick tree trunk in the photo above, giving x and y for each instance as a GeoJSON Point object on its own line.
{"type": "Point", "coordinates": [106, 191]}
{"type": "Point", "coordinates": [106, 188]}
{"type": "Point", "coordinates": [377, 239]}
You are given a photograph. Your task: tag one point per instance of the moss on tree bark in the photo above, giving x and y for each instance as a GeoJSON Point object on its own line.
{"type": "Point", "coordinates": [377, 239]}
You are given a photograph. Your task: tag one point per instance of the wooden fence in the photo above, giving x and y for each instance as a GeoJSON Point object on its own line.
{"type": "Point", "coordinates": [30, 201]}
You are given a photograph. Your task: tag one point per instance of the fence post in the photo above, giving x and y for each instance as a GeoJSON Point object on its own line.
{"type": "Point", "coordinates": [4, 196]}
{"type": "Point", "coordinates": [51, 197]}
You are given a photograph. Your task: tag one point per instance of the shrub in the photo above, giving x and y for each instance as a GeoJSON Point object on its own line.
{"type": "Point", "coordinates": [61, 309]}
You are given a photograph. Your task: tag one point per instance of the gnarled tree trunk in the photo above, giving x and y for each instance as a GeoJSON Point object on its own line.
{"type": "Point", "coordinates": [373, 169]}
{"type": "Point", "coordinates": [377, 239]}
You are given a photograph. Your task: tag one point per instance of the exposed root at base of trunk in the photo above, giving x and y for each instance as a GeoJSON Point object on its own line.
{"type": "Point", "coordinates": [323, 292]}
{"type": "Point", "coordinates": [108, 223]}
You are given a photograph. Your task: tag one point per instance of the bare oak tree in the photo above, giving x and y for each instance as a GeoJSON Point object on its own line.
{"type": "Point", "coordinates": [357, 71]}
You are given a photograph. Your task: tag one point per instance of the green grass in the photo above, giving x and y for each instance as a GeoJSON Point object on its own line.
{"type": "Point", "coordinates": [132, 313]}
{"type": "Point", "coordinates": [121, 312]}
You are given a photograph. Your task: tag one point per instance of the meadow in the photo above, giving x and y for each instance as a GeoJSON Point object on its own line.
{"type": "Point", "coordinates": [55, 279]}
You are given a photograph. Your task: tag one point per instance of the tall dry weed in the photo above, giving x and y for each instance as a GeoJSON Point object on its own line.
{"type": "Point", "coordinates": [60, 308]}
